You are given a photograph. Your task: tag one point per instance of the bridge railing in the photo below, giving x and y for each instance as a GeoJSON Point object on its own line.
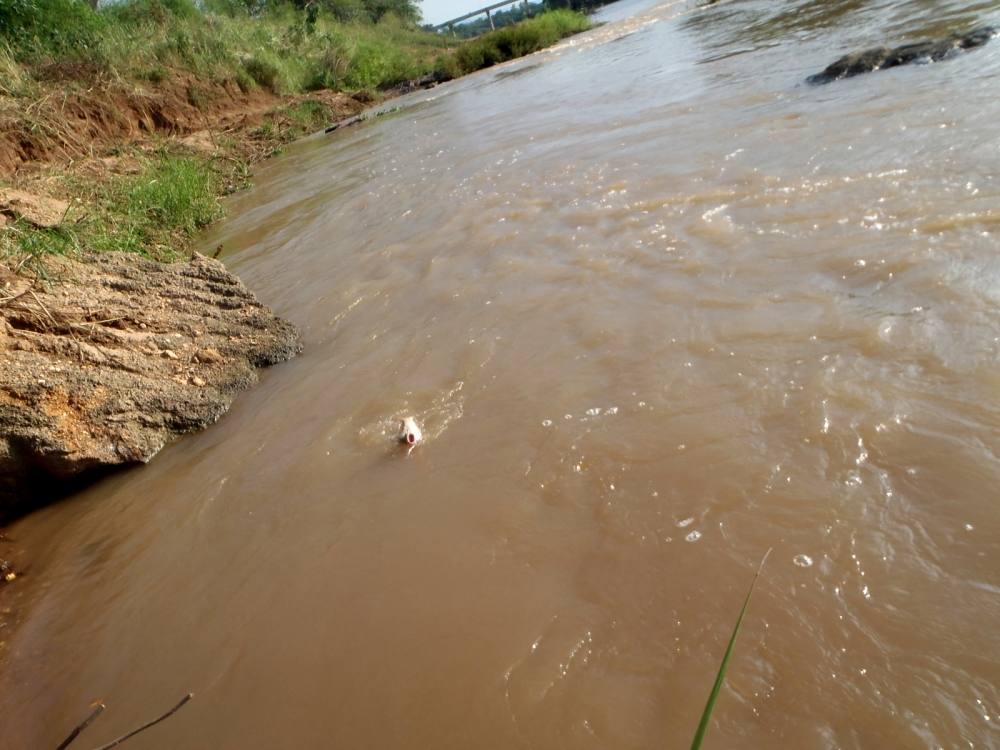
{"type": "Point", "coordinates": [487, 10]}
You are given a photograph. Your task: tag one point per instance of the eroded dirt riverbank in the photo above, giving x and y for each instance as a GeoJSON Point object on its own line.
{"type": "Point", "coordinates": [104, 358]}
{"type": "Point", "coordinates": [107, 356]}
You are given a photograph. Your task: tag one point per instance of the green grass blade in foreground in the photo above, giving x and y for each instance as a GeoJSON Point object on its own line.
{"type": "Point", "coordinates": [720, 678]}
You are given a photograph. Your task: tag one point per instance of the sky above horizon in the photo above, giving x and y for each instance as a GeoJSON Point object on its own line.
{"type": "Point", "coordinates": [439, 11]}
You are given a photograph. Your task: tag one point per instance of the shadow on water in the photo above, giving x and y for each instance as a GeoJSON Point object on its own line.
{"type": "Point", "coordinates": [48, 489]}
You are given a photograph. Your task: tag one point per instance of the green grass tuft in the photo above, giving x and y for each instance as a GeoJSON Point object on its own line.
{"type": "Point", "coordinates": [174, 195]}
{"type": "Point", "coordinates": [309, 115]}
{"type": "Point", "coordinates": [39, 28]}
{"type": "Point", "coordinates": [154, 213]}
{"type": "Point", "coordinates": [720, 677]}
{"type": "Point", "coordinates": [175, 192]}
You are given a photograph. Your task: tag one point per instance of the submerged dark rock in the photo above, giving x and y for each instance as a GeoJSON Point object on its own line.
{"type": "Point", "coordinates": [880, 58]}
{"type": "Point", "coordinates": [111, 359]}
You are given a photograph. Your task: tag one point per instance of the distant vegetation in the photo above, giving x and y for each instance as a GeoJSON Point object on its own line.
{"type": "Point", "coordinates": [517, 13]}
{"type": "Point", "coordinates": [514, 41]}
{"type": "Point", "coordinates": [287, 47]}
{"type": "Point", "coordinates": [335, 44]}
{"type": "Point", "coordinates": [481, 24]}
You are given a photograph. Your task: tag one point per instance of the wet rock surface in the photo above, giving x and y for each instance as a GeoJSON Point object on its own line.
{"type": "Point", "coordinates": [880, 58]}
{"type": "Point", "coordinates": [110, 359]}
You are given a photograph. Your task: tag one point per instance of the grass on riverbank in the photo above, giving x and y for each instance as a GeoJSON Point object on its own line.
{"type": "Point", "coordinates": [152, 40]}
{"type": "Point", "coordinates": [154, 201]}
{"type": "Point", "coordinates": [514, 41]}
{"type": "Point", "coordinates": [283, 51]}
{"type": "Point", "coordinates": [75, 83]}
{"type": "Point", "coordinates": [151, 212]}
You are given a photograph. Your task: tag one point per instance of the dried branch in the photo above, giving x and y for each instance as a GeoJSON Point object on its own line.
{"type": "Point", "coordinates": [98, 710]}
{"type": "Point", "coordinates": [144, 727]}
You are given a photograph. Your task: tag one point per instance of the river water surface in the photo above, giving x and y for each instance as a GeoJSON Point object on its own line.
{"type": "Point", "coordinates": [660, 307]}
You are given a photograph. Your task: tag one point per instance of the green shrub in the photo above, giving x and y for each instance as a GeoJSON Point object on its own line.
{"type": "Point", "coordinates": [347, 11]}
{"type": "Point", "coordinates": [403, 9]}
{"type": "Point", "coordinates": [513, 41]}
{"type": "Point", "coordinates": [244, 80]}
{"type": "Point", "coordinates": [265, 72]}
{"type": "Point", "coordinates": [309, 115]}
{"type": "Point", "coordinates": [49, 28]}
{"type": "Point", "coordinates": [144, 12]}
{"type": "Point", "coordinates": [377, 64]}
{"type": "Point", "coordinates": [14, 79]}
{"type": "Point", "coordinates": [156, 74]}
{"type": "Point", "coordinates": [327, 70]}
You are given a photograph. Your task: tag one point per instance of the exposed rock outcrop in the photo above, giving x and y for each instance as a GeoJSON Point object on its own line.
{"type": "Point", "coordinates": [881, 58]}
{"type": "Point", "coordinates": [112, 358]}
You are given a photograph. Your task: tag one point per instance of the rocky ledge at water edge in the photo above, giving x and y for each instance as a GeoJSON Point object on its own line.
{"type": "Point", "coordinates": [107, 360]}
{"type": "Point", "coordinates": [882, 58]}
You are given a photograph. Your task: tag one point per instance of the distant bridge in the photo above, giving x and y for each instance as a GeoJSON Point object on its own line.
{"type": "Point", "coordinates": [450, 24]}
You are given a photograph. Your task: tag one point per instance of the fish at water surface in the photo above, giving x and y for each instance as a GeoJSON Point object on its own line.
{"type": "Point", "coordinates": [879, 58]}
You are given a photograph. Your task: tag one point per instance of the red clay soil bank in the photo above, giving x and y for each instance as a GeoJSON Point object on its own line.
{"type": "Point", "coordinates": [69, 122]}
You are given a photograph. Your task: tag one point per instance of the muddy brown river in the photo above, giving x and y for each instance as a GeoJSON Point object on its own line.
{"type": "Point", "coordinates": [659, 307]}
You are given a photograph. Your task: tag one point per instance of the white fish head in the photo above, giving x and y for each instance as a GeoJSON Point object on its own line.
{"type": "Point", "coordinates": [409, 431]}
